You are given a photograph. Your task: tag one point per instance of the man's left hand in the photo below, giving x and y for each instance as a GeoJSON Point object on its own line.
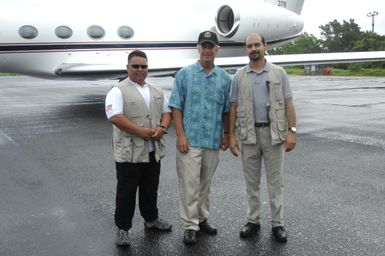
{"type": "Point", "coordinates": [289, 143]}
{"type": "Point", "coordinates": [157, 133]}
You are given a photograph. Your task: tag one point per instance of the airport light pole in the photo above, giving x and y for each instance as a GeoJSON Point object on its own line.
{"type": "Point", "coordinates": [372, 14]}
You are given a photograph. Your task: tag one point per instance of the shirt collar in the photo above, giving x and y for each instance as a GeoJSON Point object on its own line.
{"type": "Point", "coordinates": [137, 85]}
{"type": "Point", "coordinates": [266, 68]}
{"type": "Point", "coordinates": [201, 69]}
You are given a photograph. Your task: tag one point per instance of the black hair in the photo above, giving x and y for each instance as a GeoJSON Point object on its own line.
{"type": "Point", "coordinates": [262, 38]}
{"type": "Point", "coordinates": [136, 53]}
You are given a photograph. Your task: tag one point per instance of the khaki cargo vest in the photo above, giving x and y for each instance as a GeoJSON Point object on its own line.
{"type": "Point", "coordinates": [245, 124]}
{"type": "Point", "coordinates": [129, 147]}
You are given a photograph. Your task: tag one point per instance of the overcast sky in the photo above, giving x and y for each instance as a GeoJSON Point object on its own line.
{"type": "Point", "coordinates": [321, 12]}
{"type": "Point", "coordinates": [314, 12]}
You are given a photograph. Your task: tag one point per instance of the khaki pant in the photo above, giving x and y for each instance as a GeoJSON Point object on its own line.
{"type": "Point", "coordinates": [195, 170]}
{"type": "Point", "coordinates": [252, 155]}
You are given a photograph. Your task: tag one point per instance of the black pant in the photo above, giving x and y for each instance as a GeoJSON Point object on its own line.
{"type": "Point", "coordinates": [130, 176]}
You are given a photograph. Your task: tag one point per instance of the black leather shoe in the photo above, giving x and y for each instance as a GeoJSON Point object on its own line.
{"type": "Point", "coordinates": [249, 229]}
{"type": "Point", "coordinates": [207, 228]}
{"type": "Point", "coordinates": [190, 237]}
{"type": "Point", "coordinates": [280, 234]}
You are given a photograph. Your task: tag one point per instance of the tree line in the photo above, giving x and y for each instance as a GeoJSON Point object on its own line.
{"type": "Point", "coordinates": [337, 37]}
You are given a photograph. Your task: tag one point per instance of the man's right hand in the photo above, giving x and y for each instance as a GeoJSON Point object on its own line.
{"type": "Point", "coordinates": [233, 144]}
{"type": "Point", "coordinates": [182, 144]}
{"type": "Point", "coordinates": [146, 133]}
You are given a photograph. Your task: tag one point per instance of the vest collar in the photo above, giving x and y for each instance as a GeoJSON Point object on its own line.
{"type": "Point", "coordinates": [266, 68]}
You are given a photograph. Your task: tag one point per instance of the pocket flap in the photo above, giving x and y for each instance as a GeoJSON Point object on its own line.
{"type": "Point", "coordinates": [281, 126]}
{"type": "Point", "coordinates": [127, 142]}
{"type": "Point", "coordinates": [138, 141]}
{"type": "Point", "coordinates": [241, 111]}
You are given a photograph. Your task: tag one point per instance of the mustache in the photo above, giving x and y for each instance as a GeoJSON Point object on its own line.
{"type": "Point", "coordinates": [254, 55]}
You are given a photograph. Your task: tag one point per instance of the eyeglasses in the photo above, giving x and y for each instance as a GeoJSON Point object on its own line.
{"type": "Point", "coordinates": [137, 66]}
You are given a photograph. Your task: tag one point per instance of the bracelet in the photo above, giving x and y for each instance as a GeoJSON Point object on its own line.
{"type": "Point", "coordinates": [225, 132]}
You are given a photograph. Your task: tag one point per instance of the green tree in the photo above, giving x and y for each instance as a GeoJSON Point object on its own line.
{"type": "Point", "coordinates": [337, 37]}
{"type": "Point", "coordinates": [306, 43]}
{"type": "Point", "coordinates": [370, 42]}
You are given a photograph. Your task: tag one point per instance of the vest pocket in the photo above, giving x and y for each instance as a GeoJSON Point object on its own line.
{"type": "Point", "coordinates": [277, 87]}
{"type": "Point", "coordinates": [139, 149]}
{"type": "Point", "coordinates": [160, 148]}
{"type": "Point", "coordinates": [126, 149]}
{"type": "Point", "coordinates": [282, 129]}
{"type": "Point", "coordinates": [241, 123]}
{"type": "Point", "coordinates": [280, 111]}
{"type": "Point", "coordinates": [134, 109]}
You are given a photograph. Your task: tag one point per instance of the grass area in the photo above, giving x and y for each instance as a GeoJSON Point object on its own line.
{"type": "Point", "coordinates": [7, 74]}
{"type": "Point", "coordinates": [341, 72]}
{"type": "Point", "coordinates": [294, 70]}
{"type": "Point", "coordinates": [361, 72]}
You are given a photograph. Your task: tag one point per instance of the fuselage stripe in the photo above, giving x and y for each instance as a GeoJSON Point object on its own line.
{"type": "Point", "coordinates": [110, 46]}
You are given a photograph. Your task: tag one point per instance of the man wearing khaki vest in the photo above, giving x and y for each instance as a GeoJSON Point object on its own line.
{"type": "Point", "coordinates": [262, 113]}
{"type": "Point", "coordinates": [140, 116]}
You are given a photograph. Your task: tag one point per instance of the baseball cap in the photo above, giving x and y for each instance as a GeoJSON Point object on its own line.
{"type": "Point", "coordinates": [208, 36]}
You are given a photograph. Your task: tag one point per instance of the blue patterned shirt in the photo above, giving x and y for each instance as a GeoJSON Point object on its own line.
{"type": "Point", "coordinates": [203, 98]}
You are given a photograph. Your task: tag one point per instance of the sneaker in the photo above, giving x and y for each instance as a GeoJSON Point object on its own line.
{"type": "Point", "coordinates": [122, 238]}
{"type": "Point", "coordinates": [158, 224]}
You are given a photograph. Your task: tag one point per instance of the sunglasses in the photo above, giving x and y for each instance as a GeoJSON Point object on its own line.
{"type": "Point", "coordinates": [137, 66]}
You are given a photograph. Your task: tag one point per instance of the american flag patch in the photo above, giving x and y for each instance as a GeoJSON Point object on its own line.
{"type": "Point", "coordinates": [109, 108]}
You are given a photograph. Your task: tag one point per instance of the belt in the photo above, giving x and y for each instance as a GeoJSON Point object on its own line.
{"type": "Point", "coordinates": [262, 124]}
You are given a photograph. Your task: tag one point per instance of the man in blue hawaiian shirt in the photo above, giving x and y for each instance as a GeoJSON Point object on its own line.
{"type": "Point", "coordinates": [200, 106]}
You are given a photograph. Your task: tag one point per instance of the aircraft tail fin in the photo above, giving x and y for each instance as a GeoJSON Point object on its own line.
{"type": "Point", "coordinates": [291, 5]}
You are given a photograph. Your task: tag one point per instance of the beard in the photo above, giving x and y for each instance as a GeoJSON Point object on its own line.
{"type": "Point", "coordinates": [254, 56]}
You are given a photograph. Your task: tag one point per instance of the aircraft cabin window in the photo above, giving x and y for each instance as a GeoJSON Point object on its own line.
{"type": "Point", "coordinates": [125, 32]}
{"type": "Point", "coordinates": [63, 32]}
{"type": "Point", "coordinates": [28, 32]}
{"type": "Point", "coordinates": [95, 31]}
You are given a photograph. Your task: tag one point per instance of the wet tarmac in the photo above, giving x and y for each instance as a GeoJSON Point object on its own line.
{"type": "Point", "coordinates": [57, 183]}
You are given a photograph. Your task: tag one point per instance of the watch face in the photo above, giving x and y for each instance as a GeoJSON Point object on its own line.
{"type": "Point", "coordinates": [293, 129]}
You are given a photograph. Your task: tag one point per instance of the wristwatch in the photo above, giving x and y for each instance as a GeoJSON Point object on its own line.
{"type": "Point", "coordinates": [292, 129]}
{"type": "Point", "coordinates": [164, 129]}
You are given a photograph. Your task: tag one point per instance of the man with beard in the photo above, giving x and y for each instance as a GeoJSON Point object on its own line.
{"type": "Point", "coordinates": [263, 114]}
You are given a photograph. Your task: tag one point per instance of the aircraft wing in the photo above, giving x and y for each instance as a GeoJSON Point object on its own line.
{"type": "Point", "coordinates": [326, 58]}
{"type": "Point", "coordinates": [92, 70]}
{"type": "Point", "coordinates": [308, 58]}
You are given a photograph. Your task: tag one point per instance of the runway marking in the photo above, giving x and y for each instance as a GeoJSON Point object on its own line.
{"type": "Point", "coordinates": [4, 138]}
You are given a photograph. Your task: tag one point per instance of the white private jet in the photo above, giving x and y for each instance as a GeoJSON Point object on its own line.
{"type": "Point", "coordinates": [92, 41]}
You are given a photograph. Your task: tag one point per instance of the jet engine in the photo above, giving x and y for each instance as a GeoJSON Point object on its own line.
{"type": "Point", "coordinates": [236, 21]}
{"type": "Point", "coordinates": [227, 21]}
